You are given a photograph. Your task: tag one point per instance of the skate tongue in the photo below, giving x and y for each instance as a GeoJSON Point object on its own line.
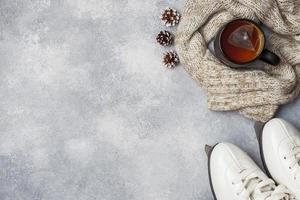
{"type": "Point", "coordinates": [280, 193]}
{"type": "Point", "coordinates": [265, 189]}
{"type": "Point", "coordinates": [252, 187]}
{"type": "Point", "coordinates": [252, 183]}
{"type": "Point", "coordinates": [260, 193]}
{"type": "Point", "coordinates": [259, 187]}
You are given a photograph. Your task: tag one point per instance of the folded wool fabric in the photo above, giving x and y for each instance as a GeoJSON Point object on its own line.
{"type": "Point", "coordinates": [256, 94]}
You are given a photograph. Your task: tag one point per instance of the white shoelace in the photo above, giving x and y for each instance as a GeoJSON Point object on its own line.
{"type": "Point", "coordinates": [252, 187]}
{"type": "Point", "coordinates": [281, 193]}
{"type": "Point", "coordinates": [295, 164]}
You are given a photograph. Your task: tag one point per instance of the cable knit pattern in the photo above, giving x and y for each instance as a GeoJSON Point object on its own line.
{"type": "Point", "coordinates": [254, 93]}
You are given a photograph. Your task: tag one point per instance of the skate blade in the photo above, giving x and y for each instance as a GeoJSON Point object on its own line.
{"type": "Point", "coordinates": [208, 150]}
{"type": "Point", "coordinates": [258, 127]}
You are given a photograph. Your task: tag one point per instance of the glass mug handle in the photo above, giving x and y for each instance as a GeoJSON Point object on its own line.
{"type": "Point", "coordinates": [269, 57]}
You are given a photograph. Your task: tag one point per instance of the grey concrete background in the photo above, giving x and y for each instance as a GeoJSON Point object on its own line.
{"type": "Point", "coordinates": [89, 112]}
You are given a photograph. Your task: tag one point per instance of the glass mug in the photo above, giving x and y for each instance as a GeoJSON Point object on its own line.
{"type": "Point", "coordinates": [241, 42]}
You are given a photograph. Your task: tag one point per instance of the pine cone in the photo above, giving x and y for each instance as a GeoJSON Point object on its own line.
{"type": "Point", "coordinates": [170, 17]}
{"type": "Point", "coordinates": [164, 38]}
{"type": "Point", "coordinates": [170, 59]}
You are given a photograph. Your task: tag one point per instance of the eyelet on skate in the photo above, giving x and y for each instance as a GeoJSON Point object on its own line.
{"type": "Point", "coordinates": [290, 167]}
{"type": "Point", "coordinates": [284, 158]}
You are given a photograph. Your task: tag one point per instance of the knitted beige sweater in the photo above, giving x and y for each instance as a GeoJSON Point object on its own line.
{"type": "Point", "coordinates": [254, 93]}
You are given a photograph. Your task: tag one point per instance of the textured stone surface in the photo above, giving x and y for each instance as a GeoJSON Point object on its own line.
{"type": "Point", "coordinates": [89, 112]}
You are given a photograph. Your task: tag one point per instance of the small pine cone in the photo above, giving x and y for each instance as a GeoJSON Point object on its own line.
{"type": "Point", "coordinates": [170, 59]}
{"type": "Point", "coordinates": [164, 38]}
{"type": "Point", "coordinates": [170, 17]}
